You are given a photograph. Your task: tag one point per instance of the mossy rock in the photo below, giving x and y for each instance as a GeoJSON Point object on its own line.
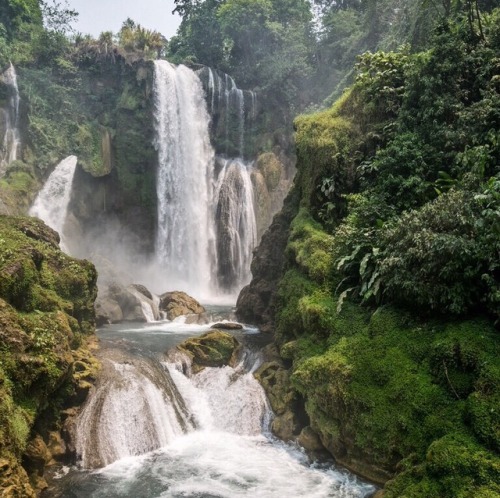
{"type": "Point", "coordinates": [271, 168]}
{"type": "Point", "coordinates": [213, 349]}
{"type": "Point", "coordinates": [46, 308]}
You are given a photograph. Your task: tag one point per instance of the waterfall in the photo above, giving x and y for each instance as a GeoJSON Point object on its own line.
{"type": "Point", "coordinates": [136, 408]}
{"type": "Point", "coordinates": [164, 431]}
{"type": "Point", "coordinates": [11, 139]}
{"type": "Point", "coordinates": [228, 103]}
{"type": "Point", "coordinates": [206, 221]}
{"type": "Point", "coordinates": [235, 225]}
{"type": "Point", "coordinates": [51, 203]}
{"type": "Point", "coordinates": [141, 405]}
{"type": "Point", "coordinates": [185, 233]}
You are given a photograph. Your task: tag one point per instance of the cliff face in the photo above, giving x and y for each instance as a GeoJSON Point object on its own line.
{"type": "Point", "coordinates": [46, 321]}
{"type": "Point", "coordinates": [402, 394]}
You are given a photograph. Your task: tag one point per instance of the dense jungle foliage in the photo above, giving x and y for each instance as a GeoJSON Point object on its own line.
{"type": "Point", "coordinates": [388, 309]}
{"type": "Point", "coordinates": [387, 312]}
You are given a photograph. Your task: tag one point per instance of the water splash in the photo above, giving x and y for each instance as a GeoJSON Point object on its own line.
{"type": "Point", "coordinates": [11, 139]}
{"type": "Point", "coordinates": [207, 432]}
{"type": "Point", "coordinates": [51, 203]}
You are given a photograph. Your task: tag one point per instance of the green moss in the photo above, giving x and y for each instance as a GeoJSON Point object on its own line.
{"type": "Point", "coordinates": [213, 349]}
{"type": "Point", "coordinates": [293, 286]}
{"type": "Point", "coordinates": [455, 467]}
{"type": "Point", "coordinates": [271, 168]}
{"type": "Point", "coordinates": [310, 247]}
{"type": "Point", "coordinates": [377, 387]}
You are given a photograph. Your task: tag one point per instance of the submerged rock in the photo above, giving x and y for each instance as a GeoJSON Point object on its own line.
{"type": "Point", "coordinates": [213, 349]}
{"type": "Point", "coordinates": [179, 303]}
{"type": "Point", "coordinates": [227, 326]}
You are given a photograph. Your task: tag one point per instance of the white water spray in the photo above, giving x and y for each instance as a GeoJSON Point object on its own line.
{"type": "Point", "coordinates": [135, 409]}
{"type": "Point", "coordinates": [51, 204]}
{"type": "Point", "coordinates": [207, 432]}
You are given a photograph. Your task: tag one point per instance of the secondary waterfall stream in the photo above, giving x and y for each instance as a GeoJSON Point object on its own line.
{"type": "Point", "coordinates": [51, 203]}
{"type": "Point", "coordinates": [153, 429]}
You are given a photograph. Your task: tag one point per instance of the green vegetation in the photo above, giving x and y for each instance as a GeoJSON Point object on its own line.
{"type": "Point", "coordinates": [46, 311]}
{"type": "Point", "coordinates": [388, 305]}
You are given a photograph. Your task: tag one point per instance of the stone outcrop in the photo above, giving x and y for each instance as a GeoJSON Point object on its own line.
{"type": "Point", "coordinates": [256, 301]}
{"type": "Point", "coordinates": [227, 326]}
{"type": "Point", "coordinates": [46, 322]}
{"type": "Point", "coordinates": [284, 400]}
{"type": "Point", "coordinates": [213, 349]}
{"type": "Point", "coordinates": [176, 304]}
{"type": "Point", "coordinates": [119, 303]}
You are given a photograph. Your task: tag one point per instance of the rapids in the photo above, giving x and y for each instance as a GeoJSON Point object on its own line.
{"type": "Point", "coordinates": [153, 429]}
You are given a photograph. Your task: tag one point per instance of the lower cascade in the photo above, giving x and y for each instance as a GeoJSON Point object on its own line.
{"type": "Point", "coordinates": [155, 426]}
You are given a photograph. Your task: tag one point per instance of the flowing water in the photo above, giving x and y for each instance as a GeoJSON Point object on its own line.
{"type": "Point", "coordinates": [154, 429]}
{"type": "Point", "coordinates": [236, 227]}
{"type": "Point", "coordinates": [11, 139]}
{"type": "Point", "coordinates": [51, 203]}
{"type": "Point", "coordinates": [206, 219]}
{"type": "Point", "coordinates": [185, 240]}
{"type": "Point", "coordinates": [234, 105]}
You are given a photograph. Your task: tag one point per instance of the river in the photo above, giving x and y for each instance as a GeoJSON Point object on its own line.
{"type": "Point", "coordinates": [152, 429]}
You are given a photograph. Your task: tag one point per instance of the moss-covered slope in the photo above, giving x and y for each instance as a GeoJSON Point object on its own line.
{"type": "Point", "coordinates": [383, 293]}
{"type": "Point", "coordinates": [46, 317]}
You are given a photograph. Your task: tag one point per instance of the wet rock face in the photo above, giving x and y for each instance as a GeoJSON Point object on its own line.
{"type": "Point", "coordinates": [256, 301]}
{"type": "Point", "coordinates": [275, 380]}
{"type": "Point", "coordinates": [177, 303]}
{"type": "Point", "coordinates": [118, 303]}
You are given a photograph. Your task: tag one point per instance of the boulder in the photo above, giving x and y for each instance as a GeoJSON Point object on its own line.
{"type": "Point", "coordinates": [178, 303]}
{"type": "Point", "coordinates": [310, 440]}
{"type": "Point", "coordinates": [142, 290]}
{"type": "Point", "coordinates": [107, 310]}
{"type": "Point", "coordinates": [227, 326]}
{"type": "Point", "coordinates": [213, 349]}
{"type": "Point", "coordinates": [119, 303]}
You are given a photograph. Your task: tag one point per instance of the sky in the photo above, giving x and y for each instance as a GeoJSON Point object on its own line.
{"type": "Point", "coordinates": [97, 16]}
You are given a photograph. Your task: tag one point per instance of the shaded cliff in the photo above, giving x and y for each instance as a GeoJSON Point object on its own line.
{"type": "Point", "coordinates": [381, 290]}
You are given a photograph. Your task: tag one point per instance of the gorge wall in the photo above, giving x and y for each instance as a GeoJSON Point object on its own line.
{"type": "Point", "coordinates": [46, 330]}
{"type": "Point", "coordinates": [384, 330]}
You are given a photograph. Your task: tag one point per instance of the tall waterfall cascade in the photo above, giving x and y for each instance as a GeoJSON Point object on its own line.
{"type": "Point", "coordinates": [51, 204]}
{"type": "Point", "coordinates": [206, 218]}
{"type": "Point", "coordinates": [9, 120]}
{"type": "Point", "coordinates": [185, 238]}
